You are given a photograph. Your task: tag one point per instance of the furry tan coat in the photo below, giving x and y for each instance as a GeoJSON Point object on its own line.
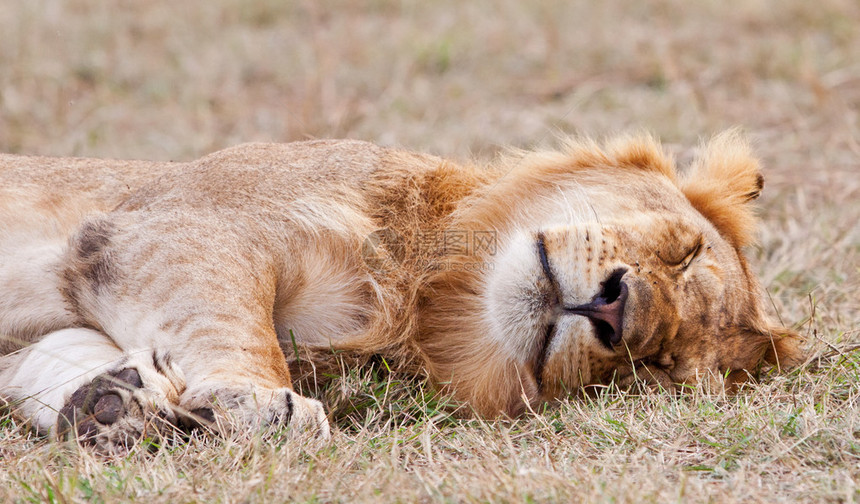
{"type": "Point", "coordinates": [134, 290]}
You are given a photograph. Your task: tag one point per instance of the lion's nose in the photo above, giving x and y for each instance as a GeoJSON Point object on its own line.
{"type": "Point", "coordinates": [606, 310]}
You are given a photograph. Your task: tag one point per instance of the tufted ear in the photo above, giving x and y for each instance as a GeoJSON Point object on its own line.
{"type": "Point", "coordinates": [783, 348]}
{"type": "Point", "coordinates": [722, 182]}
{"type": "Point", "coordinates": [746, 350]}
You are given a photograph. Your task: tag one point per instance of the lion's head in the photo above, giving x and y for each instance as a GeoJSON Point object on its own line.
{"type": "Point", "coordinates": [608, 265]}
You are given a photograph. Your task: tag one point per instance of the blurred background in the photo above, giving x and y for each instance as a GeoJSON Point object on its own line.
{"type": "Point", "coordinates": [176, 80]}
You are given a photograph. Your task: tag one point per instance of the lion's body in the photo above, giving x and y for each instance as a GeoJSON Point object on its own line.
{"type": "Point", "coordinates": [220, 265]}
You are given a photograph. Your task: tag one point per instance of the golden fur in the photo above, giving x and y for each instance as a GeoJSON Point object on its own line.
{"type": "Point", "coordinates": [480, 275]}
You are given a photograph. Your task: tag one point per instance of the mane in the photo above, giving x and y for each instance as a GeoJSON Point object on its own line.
{"type": "Point", "coordinates": [521, 176]}
{"type": "Point", "coordinates": [409, 197]}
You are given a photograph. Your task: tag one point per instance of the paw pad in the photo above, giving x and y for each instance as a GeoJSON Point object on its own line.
{"type": "Point", "coordinates": [97, 405]}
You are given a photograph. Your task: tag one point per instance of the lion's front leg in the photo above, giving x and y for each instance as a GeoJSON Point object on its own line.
{"type": "Point", "coordinates": [245, 388]}
{"type": "Point", "coordinates": [200, 289]}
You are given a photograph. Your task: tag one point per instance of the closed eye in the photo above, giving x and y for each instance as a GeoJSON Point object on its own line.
{"type": "Point", "coordinates": [684, 262]}
{"type": "Point", "coordinates": [690, 257]}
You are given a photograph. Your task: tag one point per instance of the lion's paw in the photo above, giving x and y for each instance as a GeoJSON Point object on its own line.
{"type": "Point", "coordinates": [244, 408]}
{"type": "Point", "coordinates": [307, 415]}
{"type": "Point", "coordinates": [119, 408]}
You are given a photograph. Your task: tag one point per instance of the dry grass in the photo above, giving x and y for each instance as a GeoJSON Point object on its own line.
{"type": "Point", "coordinates": [176, 80]}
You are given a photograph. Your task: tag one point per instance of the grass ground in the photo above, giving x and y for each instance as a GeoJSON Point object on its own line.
{"type": "Point", "coordinates": [175, 80]}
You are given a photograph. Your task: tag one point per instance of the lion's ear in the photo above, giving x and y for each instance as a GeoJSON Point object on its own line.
{"type": "Point", "coordinates": [747, 348]}
{"type": "Point", "coordinates": [783, 348]}
{"type": "Point", "coordinates": [722, 182]}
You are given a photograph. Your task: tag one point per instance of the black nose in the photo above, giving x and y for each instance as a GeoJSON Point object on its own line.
{"type": "Point", "coordinates": [606, 310]}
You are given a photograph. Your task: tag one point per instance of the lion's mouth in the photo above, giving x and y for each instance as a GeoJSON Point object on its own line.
{"type": "Point", "coordinates": [605, 310]}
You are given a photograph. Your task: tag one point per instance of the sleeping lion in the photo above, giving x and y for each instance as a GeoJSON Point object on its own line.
{"type": "Point", "coordinates": [137, 295]}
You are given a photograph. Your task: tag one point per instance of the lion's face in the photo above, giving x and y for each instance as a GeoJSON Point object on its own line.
{"type": "Point", "coordinates": [623, 271]}
{"type": "Point", "coordinates": [581, 302]}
